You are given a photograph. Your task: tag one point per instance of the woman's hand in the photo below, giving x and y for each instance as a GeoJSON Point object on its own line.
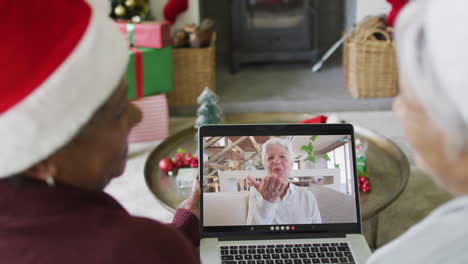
{"type": "Point", "coordinates": [271, 187]}
{"type": "Point", "coordinates": [192, 203]}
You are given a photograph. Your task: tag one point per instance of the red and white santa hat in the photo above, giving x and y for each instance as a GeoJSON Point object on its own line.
{"type": "Point", "coordinates": [60, 62]}
{"type": "Point", "coordinates": [430, 40]}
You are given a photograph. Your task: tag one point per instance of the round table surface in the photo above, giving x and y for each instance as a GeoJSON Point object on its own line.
{"type": "Point", "coordinates": [387, 165]}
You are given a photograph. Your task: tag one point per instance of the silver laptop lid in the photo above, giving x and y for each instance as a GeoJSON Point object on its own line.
{"type": "Point", "coordinates": [282, 178]}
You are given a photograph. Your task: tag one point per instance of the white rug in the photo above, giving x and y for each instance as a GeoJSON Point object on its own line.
{"type": "Point", "coordinates": [131, 190]}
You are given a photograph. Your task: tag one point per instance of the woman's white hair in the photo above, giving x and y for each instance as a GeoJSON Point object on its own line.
{"type": "Point", "coordinates": [277, 141]}
{"type": "Point", "coordinates": [431, 40]}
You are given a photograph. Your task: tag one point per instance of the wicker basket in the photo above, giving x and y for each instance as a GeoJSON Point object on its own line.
{"type": "Point", "coordinates": [194, 69]}
{"type": "Point", "coordinates": [369, 64]}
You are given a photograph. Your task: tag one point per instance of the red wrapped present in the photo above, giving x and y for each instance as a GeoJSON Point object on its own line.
{"type": "Point", "coordinates": [148, 34]}
{"type": "Point", "coordinates": [155, 122]}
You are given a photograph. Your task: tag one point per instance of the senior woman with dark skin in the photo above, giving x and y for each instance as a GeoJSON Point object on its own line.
{"type": "Point", "coordinates": [275, 200]}
{"type": "Point", "coordinates": [64, 122]}
{"type": "Point", "coordinates": [431, 39]}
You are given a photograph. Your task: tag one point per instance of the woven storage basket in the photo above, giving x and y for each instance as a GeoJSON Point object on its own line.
{"type": "Point", "coordinates": [194, 69]}
{"type": "Point", "coordinates": [369, 64]}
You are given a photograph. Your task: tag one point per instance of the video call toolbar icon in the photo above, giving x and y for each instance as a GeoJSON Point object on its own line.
{"type": "Point", "coordinates": [273, 228]}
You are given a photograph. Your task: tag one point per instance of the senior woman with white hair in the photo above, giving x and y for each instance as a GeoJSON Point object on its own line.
{"type": "Point", "coordinates": [431, 38]}
{"type": "Point", "coordinates": [275, 200]}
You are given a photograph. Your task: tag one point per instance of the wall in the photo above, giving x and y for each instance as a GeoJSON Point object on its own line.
{"type": "Point", "coordinates": [191, 15]}
{"type": "Point", "coordinates": [371, 7]}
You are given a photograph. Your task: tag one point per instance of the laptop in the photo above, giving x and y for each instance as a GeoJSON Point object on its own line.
{"type": "Point", "coordinates": [279, 194]}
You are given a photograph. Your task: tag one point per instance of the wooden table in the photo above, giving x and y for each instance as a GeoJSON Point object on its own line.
{"type": "Point", "coordinates": [386, 163]}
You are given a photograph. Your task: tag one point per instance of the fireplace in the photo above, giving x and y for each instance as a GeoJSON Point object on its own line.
{"type": "Point", "coordinates": [273, 30]}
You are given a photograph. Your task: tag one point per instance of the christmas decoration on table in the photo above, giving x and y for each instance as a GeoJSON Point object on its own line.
{"type": "Point", "coordinates": [320, 119]}
{"type": "Point", "coordinates": [173, 8]}
{"type": "Point", "coordinates": [182, 159]}
{"type": "Point", "coordinates": [209, 112]}
{"type": "Point", "coordinates": [148, 34]}
{"type": "Point", "coordinates": [361, 162]}
{"type": "Point", "coordinates": [363, 182]}
{"type": "Point", "coordinates": [185, 177]}
{"type": "Point", "coordinates": [191, 36]}
{"type": "Point", "coordinates": [136, 10]}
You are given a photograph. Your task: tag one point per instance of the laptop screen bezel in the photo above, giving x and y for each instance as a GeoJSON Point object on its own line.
{"type": "Point", "coordinates": [277, 130]}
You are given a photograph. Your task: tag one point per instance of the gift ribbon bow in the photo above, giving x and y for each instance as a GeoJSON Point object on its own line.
{"type": "Point", "coordinates": [138, 62]}
{"type": "Point", "coordinates": [138, 72]}
{"type": "Point", "coordinates": [130, 28]}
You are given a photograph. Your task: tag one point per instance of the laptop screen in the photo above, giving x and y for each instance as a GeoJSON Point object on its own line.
{"type": "Point", "coordinates": [278, 178]}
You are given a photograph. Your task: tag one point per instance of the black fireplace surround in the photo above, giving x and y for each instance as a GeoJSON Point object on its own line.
{"type": "Point", "coordinates": [273, 30]}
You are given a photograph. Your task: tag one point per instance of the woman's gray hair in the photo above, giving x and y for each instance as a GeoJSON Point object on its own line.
{"type": "Point", "coordinates": [277, 141]}
{"type": "Point", "coordinates": [431, 38]}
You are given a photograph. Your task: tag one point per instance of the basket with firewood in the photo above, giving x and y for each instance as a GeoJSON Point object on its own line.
{"type": "Point", "coordinates": [193, 62]}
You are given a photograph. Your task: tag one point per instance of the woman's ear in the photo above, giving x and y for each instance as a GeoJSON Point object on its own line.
{"type": "Point", "coordinates": [43, 171]}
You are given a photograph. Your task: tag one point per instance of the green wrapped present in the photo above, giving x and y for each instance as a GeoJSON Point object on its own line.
{"type": "Point", "coordinates": [149, 71]}
{"type": "Point", "coordinates": [361, 163]}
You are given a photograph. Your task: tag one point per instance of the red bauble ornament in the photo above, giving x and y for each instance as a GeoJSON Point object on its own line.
{"type": "Point", "coordinates": [179, 163]}
{"type": "Point", "coordinates": [166, 165]}
{"type": "Point", "coordinates": [194, 163]}
{"type": "Point", "coordinates": [188, 159]}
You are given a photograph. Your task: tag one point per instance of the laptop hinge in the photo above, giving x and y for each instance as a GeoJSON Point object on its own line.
{"type": "Point", "coordinates": [280, 236]}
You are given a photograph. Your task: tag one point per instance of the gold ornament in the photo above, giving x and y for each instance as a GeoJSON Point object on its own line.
{"type": "Point", "coordinates": [119, 10]}
{"type": "Point", "coordinates": [130, 3]}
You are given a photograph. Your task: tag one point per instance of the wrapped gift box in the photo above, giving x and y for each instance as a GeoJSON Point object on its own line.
{"type": "Point", "coordinates": [149, 72]}
{"type": "Point", "coordinates": [155, 122]}
{"type": "Point", "coordinates": [148, 34]}
{"type": "Point", "coordinates": [361, 163]}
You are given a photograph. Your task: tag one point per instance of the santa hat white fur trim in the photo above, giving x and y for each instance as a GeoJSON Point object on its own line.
{"type": "Point", "coordinates": [430, 39]}
{"type": "Point", "coordinates": [51, 116]}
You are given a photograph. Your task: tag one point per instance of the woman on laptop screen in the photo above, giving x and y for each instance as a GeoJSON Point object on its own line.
{"type": "Point", "coordinates": [275, 200]}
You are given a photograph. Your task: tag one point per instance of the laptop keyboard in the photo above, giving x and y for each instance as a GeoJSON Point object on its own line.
{"type": "Point", "coordinates": [287, 254]}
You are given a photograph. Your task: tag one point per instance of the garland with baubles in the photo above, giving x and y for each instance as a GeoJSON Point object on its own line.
{"type": "Point", "coordinates": [363, 182]}
{"type": "Point", "coordinates": [182, 159]}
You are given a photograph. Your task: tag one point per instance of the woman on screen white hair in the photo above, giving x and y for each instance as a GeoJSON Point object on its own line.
{"type": "Point", "coordinates": [431, 38]}
{"type": "Point", "coordinates": [275, 200]}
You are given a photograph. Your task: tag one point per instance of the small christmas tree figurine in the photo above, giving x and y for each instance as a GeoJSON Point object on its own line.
{"type": "Point", "coordinates": [209, 111]}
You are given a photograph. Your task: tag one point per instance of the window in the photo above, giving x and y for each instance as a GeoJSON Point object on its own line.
{"type": "Point", "coordinates": [341, 158]}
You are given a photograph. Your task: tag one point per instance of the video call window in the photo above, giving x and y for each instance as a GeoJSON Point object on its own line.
{"type": "Point", "coordinates": [239, 188]}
